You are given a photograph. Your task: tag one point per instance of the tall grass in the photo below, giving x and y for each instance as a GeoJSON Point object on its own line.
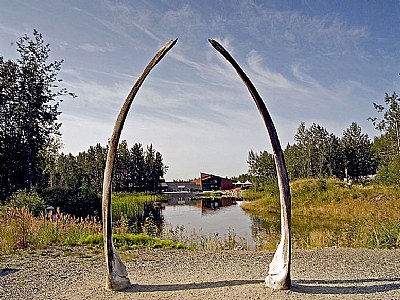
{"type": "Point", "coordinates": [330, 213]}
{"type": "Point", "coordinates": [19, 229]}
{"type": "Point", "coordinates": [324, 213]}
{"type": "Point", "coordinates": [129, 204]}
{"type": "Point", "coordinates": [200, 241]}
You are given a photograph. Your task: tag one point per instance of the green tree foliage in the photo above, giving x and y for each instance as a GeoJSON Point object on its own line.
{"type": "Point", "coordinates": [315, 153]}
{"type": "Point", "coordinates": [77, 180]}
{"type": "Point", "coordinates": [30, 200]}
{"type": "Point", "coordinates": [72, 190]}
{"type": "Point", "coordinates": [122, 177]}
{"type": "Point", "coordinates": [154, 168]}
{"type": "Point", "coordinates": [138, 173]}
{"type": "Point", "coordinates": [357, 150]}
{"type": "Point", "coordinates": [387, 146]}
{"type": "Point", "coordinates": [261, 166]}
{"type": "Point", "coordinates": [29, 99]}
{"type": "Point", "coordinates": [318, 153]}
{"type": "Point", "coordinates": [135, 169]}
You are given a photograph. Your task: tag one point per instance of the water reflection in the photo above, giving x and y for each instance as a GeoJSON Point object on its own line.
{"type": "Point", "coordinates": [218, 217]}
{"type": "Point", "coordinates": [149, 214]}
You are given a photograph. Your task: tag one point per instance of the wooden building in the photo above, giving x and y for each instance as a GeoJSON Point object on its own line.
{"type": "Point", "coordinates": [210, 182]}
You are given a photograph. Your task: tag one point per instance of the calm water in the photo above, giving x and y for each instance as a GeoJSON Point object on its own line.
{"type": "Point", "coordinates": [208, 218]}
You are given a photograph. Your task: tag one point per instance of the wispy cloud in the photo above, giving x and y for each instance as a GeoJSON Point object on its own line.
{"type": "Point", "coordinates": [128, 15]}
{"type": "Point", "coordinates": [10, 31]}
{"type": "Point", "coordinates": [114, 27]}
{"type": "Point", "coordinates": [266, 76]}
{"type": "Point", "coordinates": [324, 34]}
{"type": "Point", "coordinates": [107, 47]}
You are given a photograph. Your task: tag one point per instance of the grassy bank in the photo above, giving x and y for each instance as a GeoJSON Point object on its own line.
{"type": "Point", "coordinates": [329, 213]}
{"type": "Point", "coordinates": [20, 229]}
{"type": "Point", "coordinates": [325, 213]}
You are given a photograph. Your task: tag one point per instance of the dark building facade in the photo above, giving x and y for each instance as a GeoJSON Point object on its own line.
{"type": "Point", "coordinates": [210, 182]}
{"type": "Point", "coordinates": [182, 186]}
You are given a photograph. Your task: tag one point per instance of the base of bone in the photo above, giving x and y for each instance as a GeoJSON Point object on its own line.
{"type": "Point", "coordinates": [117, 283]}
{"type": "Point", "coordinates": [278, 282]}
{"type": "Point", "coordinates": [118, 279]}
{"type": "Point", "coordinates": [279, 274]}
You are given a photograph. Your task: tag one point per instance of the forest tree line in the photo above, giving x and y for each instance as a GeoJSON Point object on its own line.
{"type": "Point", "coordinates": [318, 153]}
{"type": "Point", "coordinates": [136, 169]}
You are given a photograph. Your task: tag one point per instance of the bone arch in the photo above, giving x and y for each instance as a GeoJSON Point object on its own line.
{"type": "Point", "coordinates": [279, 269]}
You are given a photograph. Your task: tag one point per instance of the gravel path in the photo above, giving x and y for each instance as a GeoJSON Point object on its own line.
{"type": "Point", "coordinates": [78, 273]}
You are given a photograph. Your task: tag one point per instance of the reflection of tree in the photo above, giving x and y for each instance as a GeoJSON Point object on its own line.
{"type": "Point", "coordinates": [148, 219]}
{"type": "Point", "coordinates": [265, 231]}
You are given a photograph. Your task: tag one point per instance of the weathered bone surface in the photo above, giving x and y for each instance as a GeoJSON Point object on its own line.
{"type": "Point", "coordinates": [117, 276]}
{"type": "Point", "coordinates": [279, 269]}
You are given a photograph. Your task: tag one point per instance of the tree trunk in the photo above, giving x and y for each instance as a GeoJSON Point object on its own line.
{"type": "Point", "coordinates": [117, 276]}
{"type": "Point", "coordinates": [279, 268]}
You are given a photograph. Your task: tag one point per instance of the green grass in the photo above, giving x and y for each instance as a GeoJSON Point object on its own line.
{"type": "Point", "coordinates": [19, 229]}
{"type": "Point", "coordinates": [130, 204]}
{"type": "Point", "coordinates": [130, 241]}
{"type": "Point", "coordinates": [327, 212]}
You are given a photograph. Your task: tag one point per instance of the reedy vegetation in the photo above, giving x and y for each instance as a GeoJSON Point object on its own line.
{"type": "Point", "coordinates": [20, 229]}
{"type": "Point", "coordinates": [328, 212]}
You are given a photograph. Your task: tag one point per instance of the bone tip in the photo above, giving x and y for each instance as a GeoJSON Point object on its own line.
{"type": "Point", "coordinates": [173, 41]}
{"type": "Point", "coordinates": [215, 44]}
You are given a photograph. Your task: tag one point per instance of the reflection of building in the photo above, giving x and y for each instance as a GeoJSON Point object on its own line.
{"type": "Point", "coordinates": [210, 182]}
{"type": "Point", "coordinates": [180, 199]}
{"type": "Point", "coordinates": [214, 203]}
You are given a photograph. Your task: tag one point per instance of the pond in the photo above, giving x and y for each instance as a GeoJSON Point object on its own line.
{"type": "Point", "coordinates": [218, 218]}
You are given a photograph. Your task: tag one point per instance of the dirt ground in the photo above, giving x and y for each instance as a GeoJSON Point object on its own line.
{"type": "Point", "coordinates": [78, 273]}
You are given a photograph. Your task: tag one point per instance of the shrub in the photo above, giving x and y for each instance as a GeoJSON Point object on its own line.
{"type": "Point", "coordinates": [77, 202]}
{"type": "Point", "coordinates": [30, 200]}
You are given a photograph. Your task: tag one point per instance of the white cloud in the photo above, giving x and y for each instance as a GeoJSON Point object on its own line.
{"type": "Point", "coordinates": [271, 79]}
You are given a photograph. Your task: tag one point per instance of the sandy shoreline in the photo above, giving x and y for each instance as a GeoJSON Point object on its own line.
{"type": "Point", "coordinates": [77, 273]}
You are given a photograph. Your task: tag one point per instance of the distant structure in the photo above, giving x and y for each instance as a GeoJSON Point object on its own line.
{"type": "Point", "coordinates": [210, 182]}
{"type": "Point", "coordinates": [206, 183]}
{"type": "Point", "coordinates": [182, 187]}
{"type": "Point", "coordinates": [243, 185]}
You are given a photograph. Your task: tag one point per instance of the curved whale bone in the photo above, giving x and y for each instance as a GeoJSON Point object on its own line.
{"type": "Point", "coordinates": [117, 276]}
{"type": "Point", "coordinates": [279, 269]}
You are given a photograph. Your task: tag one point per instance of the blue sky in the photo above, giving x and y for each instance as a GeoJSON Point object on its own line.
{"type": "Point", "coordinates": [313, 61]}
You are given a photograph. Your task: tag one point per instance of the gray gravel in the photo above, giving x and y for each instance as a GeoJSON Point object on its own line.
{"type": "Point", "coordinates": [78, 273]}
